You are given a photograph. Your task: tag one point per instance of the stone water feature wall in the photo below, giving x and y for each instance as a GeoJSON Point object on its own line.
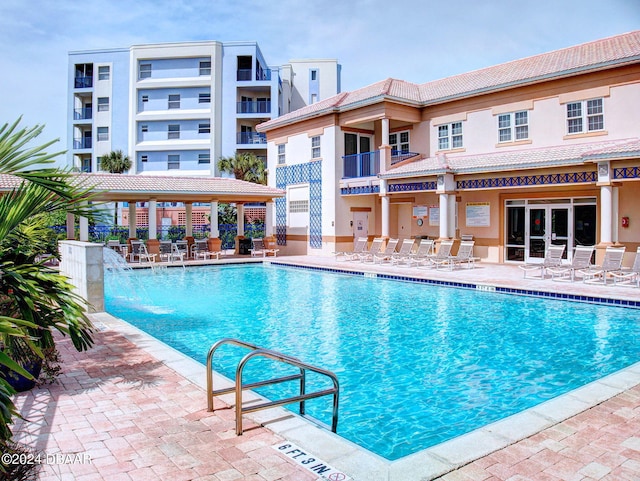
{"type": "Point", "coordinates": [82, 263]}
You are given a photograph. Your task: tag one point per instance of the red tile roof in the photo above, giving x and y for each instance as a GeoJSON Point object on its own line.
{"type": "Point", "coordinates": [605, 53]}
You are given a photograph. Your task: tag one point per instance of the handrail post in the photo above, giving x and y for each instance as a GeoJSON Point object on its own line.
{"type": "Point", "coordinates": [303, 389]}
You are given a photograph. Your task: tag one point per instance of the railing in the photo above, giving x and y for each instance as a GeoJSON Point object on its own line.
{"type": "Point", "coordinates": [398, 156]}
{"type": "Point", "coordinates": [251, 138]}
{"type": "Point", "coordinates": [276, 356]}
{"type": "Point", "coordinates": [366, 164]}
{"type": "Point", "coordinates": [254, 107]}
{"type": "Point", "coordinates": [83, 82]}
{"type": "Point", "coordinates": [228, 232]}
{"type": "Point", "coordinates": [84, 143]}
{"type": "Point", "coordinates": [83, 114]}
{"type": "Point", "coordinates": [244, 74]}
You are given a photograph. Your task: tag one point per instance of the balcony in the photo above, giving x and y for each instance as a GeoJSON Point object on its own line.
{"type": "Point", "coordinates": [398, 156]}
{"type": "Point", "coordinates": [84, 143]}
{"type": "Point", "coordinates": [366, 164]}
{"type": "Point", "coordinates": [254, 107]}
{"type": "Point", "coordinates": [83, 114]}
{"type": "Point", "coordinates": [251, 138]}
{"type": "Point", "coordinates": [245, 74]}
{"type": "Point", "coordinates": [83, 82]}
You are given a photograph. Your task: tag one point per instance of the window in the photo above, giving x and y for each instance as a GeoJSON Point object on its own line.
{"type": "Point", "coordinates": [145, 70]}
{"type": "Point", "coordinates": [174, 131]}
{"type": "Point", "coordinates": [103, 134]}
{"type": "Point", "coordinates": [315, 147]}
{"type": "Point", "coordinates": [173, 162]}
{"type": "Point", "coordinates": [314, 75]}
{"type": "Point", "coordinates": [298, 206]}
{"type": "Point", "coordinates": [204, 128]}
{"type": "Point", "coordinates": [585, 116]}
{"type": "Point", "coordinates": [144, 128]}
{"type": "Point", "coordinates": [513, 126]}
{"type": "Point", "coordinates": [205, 68]}
{"type": "Point", "coordinates": [103, 104]}
{"type": "Point", "coordinates": [104, 73]}
{"type": "Point", "coordinates": [145, 98]}
{"type": "Point", "coordinates": [99, 163]}
{"type": "Point", "coordinates": [399, 143]}
{"type": "Point", "coordinates": [144, 158]}
{"type": "Point", "coordinates": [174, 101]}
{"type": "Point", "coordinates": [450, 136]}
{"type": "Point", "coordinates": [204, 158]}
{"type": "Point", "coordinates": [281, 154]}
{"type": "Point", "coordinates": [204, 98]}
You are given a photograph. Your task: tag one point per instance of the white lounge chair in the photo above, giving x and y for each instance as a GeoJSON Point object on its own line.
{"type": "Point", "coordinates": [581, 260]}
{"type": "Point", "coordinates": [443, 256]}
{"type": "Point", "coordinates": [200, 249]}
{"type": "Point", "coordinates": [612, 262]}
{"type": "Point", "coordinates": [404, 254]}
{"type": "Point", "coordinates": [464, 255]}
{"type": "Point", "coordinates": [387, 254]}
{"type": "Point", "coordinates": [424, 252]}
{"type": "Point", "coordinates": [375, 247]}
{"type": "Point", "coordinates": [628, 277]}
{"type": "Point", "coordinates": [259, 248]}
{"type": "Point", "coordinates": [358, 248]}
{"type": "Point", "coordinates": [183, 247]}
{"type": "Point", "coordinates": [139, 251]}
{"type": "Point", "coordinates": [552, 258]}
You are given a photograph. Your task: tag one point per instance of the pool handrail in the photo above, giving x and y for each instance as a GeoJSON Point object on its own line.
{"type": "Point", "coordinates": [238, 387]}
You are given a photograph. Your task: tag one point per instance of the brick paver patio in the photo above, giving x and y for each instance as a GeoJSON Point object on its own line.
{"type": "Point", "coordinates": [134, 418]}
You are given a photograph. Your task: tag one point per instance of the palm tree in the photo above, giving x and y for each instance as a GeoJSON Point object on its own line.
{"type": "Point", "coordinates": [244, 166]}
{"type": "Point", "coordinates": [115, 162]}
{"type": "Point", "coordinates": [34, 299]}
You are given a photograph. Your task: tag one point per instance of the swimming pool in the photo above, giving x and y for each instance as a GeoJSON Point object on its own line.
{"type": "Point", "coordinates": [418, 364]}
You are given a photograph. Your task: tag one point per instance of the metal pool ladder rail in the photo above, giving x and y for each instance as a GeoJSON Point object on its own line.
{"type": "Point", "coordinates": [239, 386]}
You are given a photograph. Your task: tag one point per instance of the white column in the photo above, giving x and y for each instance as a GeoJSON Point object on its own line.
{"type": "Point", "coordinates": [84, 228]}
{"type": "Point", "coordinates": [240, 221]}
{"type": "Point", "coordinates": [444, 216]}
{"type": "Point", "coordinates": [606, 213]}
{"type": "Point", "coordinates": [71, 226]}
{"type": "Point", "coordinates": [215, 231]}
{"type": "Point", "coordinates": [268, 221]}
{"type": "Point", "coordinates": [451, 212]}
{"type": "Point", "coordinates": [153, 221]}
{"type": "Point", "coordinates": [385, 131]}
{"type": "Point", "coordinates": [386, 208]}
{"type": "Point", "coordinates": [188, 209]}
{"type": "Point", "coordinates": [615, 224]}
{"type": "Point", "coordinates": [132, 220]}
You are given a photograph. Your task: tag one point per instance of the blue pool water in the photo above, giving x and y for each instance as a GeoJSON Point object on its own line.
{"type": "Point", "coordinates": [418, 364]}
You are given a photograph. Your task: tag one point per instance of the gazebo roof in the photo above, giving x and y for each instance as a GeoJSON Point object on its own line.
{"type": "Point", "coordinates": [139, 188]}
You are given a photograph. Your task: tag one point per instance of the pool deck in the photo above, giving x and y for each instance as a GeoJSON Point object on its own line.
{"type": "Point", "coordinates": [133, 408]}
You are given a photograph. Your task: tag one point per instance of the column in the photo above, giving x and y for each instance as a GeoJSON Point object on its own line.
{"type": "Point", "coordinates": [153, 220]}
{"type": "Point", "coordinates": [71, 226]}
{"type": "Point", "coordinates": [386, 207]}
{"type": "Point", "coordinates": [451, 212]}
{"type": "Point", "coordinates": [213, 213]}
{"type": "Point", "coordinates": [84, 228]}
{"type": "Point", "coordinates": [268, 221]}
{"type": "Point", "coordinates": [132, 220]}
{"type": "Point", "coordinates": [615, 225]}
{"type": "Point", "coordinates": [385, 150]}
{"type": "Point", "coordinates": [606, 214]}
{"type": "Point", "coordinates": [385, 131]}
{"type": "Point", "coordinates": [188, 208]}
{"type": "Point", "coordinates": [240, 221]}
{"type": "Point", "coordinates": [444, 216]}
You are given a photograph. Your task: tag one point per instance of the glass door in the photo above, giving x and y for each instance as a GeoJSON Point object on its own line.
{"type": "Point", "coordinates": [546, 225]}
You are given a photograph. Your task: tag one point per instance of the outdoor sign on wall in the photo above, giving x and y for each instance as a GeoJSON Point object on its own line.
{"type": "Point", "coordinates": [478, 214]}
{"type": "Point", "coordinates": [420, 211]}
{"type": "Point", "coordinates": [434, 215]}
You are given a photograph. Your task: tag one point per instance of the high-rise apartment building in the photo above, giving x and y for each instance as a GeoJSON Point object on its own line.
{"type": "Point", "coordinates": [176, 108]}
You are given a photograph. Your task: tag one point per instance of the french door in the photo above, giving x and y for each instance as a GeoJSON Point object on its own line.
{"type": "Point", "coordinates": [547, 225]}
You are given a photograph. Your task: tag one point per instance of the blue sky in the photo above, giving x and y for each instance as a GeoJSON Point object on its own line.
{"type": "Point", "coordinates": [411, 40]}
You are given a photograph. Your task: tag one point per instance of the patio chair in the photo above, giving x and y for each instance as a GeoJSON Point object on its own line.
{"type": "Point", "coordinates": [612, 262]}
{"type": "Point", "coordinates": [200, 249]}
{"type": "Point", "coordinates": [358, 248]}
{"type": "Point", "coordinates": [259, 248]}
{"type": "Point", "coordinates": [443, 256]}
{"type": "Point", "coordinates": [464, 255]}
{"type": "Point", "coordinates": [139, 251]}
{"type": "Point", "coordinates": [404, 254]}
{"type": "Point", "coordinates": [374, 249]}
{"type": "Point", "coordinates": [581, 260]}
{"type": "Point", "coordinates": [552, 258]}
{"type": "Point", "coordinates": [183, 247]}
{"type": "Point", "coordinates": [424, 252]}
{"type": "Point", "coordinates": [166, 247]}
{"type": "Point", "coordinates": [628, 277]}
{"type": "Point", "coordinates": [388, 252]}
{"type": "Point", "coordinates": [270, 246]}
